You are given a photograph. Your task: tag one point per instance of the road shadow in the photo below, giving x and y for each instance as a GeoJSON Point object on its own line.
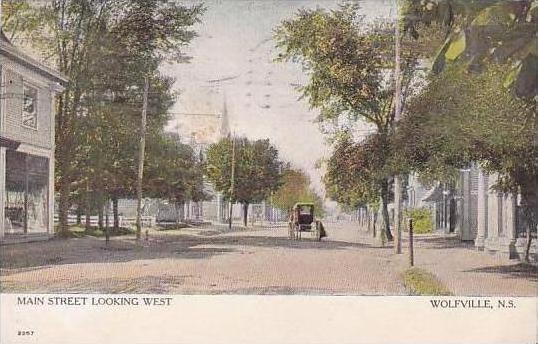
{"type": "Point", "coordinates": [520, 271]}
{"type": "Point", "coordinates": [39, 255]}
{"type": "Point", "coordinates": [443, 243]}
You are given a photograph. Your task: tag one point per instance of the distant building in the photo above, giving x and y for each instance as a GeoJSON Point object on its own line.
{"type": "Point", "coordinates": [27, 110]}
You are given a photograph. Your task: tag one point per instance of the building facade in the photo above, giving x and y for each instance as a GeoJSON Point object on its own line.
{"type": "Point", "coordinates": [27, 110]}
{"type": "Point", "coordinates": [475, 211]}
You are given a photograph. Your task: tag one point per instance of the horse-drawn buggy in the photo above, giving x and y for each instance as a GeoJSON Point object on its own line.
{"type": "Point", "coordinates": [302, 220]}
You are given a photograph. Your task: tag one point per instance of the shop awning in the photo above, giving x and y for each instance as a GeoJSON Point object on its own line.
{"type": "Point", "coordinates": [9, 143]}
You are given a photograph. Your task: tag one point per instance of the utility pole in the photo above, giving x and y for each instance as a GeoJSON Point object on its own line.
{"type": "Point", "coordinates": [232, 182]}
{"type": "Point", "coordinates": [397, 115]}
{"type": "Point", "coordinates": [141, 155]}
{"type": "Point", "coordinates": [411, 253]}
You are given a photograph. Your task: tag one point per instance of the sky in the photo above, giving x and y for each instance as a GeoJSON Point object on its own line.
{"type": "Point", "coordinates": [232, 62]}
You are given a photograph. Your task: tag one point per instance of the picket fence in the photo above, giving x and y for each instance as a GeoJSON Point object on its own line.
{"type": "Point", "coordinates": [147, 221]}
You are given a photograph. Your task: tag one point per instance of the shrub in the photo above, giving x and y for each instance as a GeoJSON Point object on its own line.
{"type": "Point", "coordinates": [422, 220]}
{"type": "Point", "coordinates": [421, 282]}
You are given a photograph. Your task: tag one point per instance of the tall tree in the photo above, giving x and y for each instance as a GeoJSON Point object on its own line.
{"type": "Point", "coordinates": [349, 64]}
{"type": "Point", "coordinates": [479, 32]}
{"type": "Point", "coordinates": [480, 104]}
{"type": "Point", "coordinates": [256, 171]}
{"type": "Point", "coordinates": [296, 187]}
{"type": "Point", "coordinates": [134, 36]}
{"type": "Point", "coordinates": [173, 171]}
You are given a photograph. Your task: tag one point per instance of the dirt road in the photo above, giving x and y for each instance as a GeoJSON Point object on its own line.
{"type": "Point", "coordinates": [261, 261]}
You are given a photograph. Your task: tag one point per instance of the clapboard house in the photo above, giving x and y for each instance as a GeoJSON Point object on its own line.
{"type": "Point", "coordinates": [475, 211]}
{"type": "Point", "coordinates": [27, 110]}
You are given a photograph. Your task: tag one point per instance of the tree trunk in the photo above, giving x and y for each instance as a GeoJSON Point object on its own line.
{"type": "Point", "coordinates": [397, 214]}
{"type": "Point", "coordinates": [63, 208]}
{"type": "Point", "coordinates": [182, 211]}
{"type": "Point", "coordinates": [100, 217]}
{"type": "Point", "coordinates": [230, 215]}
{"type": "Point", "coordinates": [87, 209]}
{"type": "Point", "coordinates": [528, 246]}
{"type": "Point", "coordinates": [178, 214]}
{"type": "Point", "coordinates": [115, 213]}
{"type": "Point", "coordinates": [529, 197]}
{"type": "Point", "coordinates": [384, 209]}
{"type": "Point", "coordinates": [141, 155]}
{"type": "Point", "coordinates": [245, 214]}
{"type": "Point", "coordinates": [374, 224]}
{"type": "Point", "coordinates": [106, 210]}
{"type": "Point", "coordinates": [100, 212]}
{"type": "Point", "coordinates": [79, 214]}
{"type": "Point", "coordinates": [369, 221]}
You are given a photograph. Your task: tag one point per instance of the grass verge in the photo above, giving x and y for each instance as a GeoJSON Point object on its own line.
{"type": "Point", "coordinates": [79, 231]}
{"type": "Point", "coordinates": [421, 282]}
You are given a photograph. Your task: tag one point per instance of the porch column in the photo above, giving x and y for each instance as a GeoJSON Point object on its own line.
{"type": "Point", "coordinates": [482, 209]}
{"type": "Point", "coordinates": [2, 189]}
{"type": "Point", "coordinates": [50, 227]}
{"type": "Point", "coordinates": [510, 224]}
{"type": "Point", "coordinates": [493, 212]}
{"type": "Point", "coordinates": [465, 233]}
{"type": "Point", "coordinates": [219, 207]}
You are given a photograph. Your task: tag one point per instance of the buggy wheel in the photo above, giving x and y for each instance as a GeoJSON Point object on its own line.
{"type": "Point", "coordinates": [318, 231]}
{"type": "Point", "coordinates": [291, 232]}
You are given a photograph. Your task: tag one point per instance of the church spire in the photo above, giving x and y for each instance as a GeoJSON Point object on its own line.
{"type": "Point", "coordinates": [224, 125]}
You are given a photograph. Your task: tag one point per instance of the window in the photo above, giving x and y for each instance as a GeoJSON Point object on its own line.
{"type": "Point", "coordinates": [26, 193]}
{"type": "Point", "coordinates": [29, 107]}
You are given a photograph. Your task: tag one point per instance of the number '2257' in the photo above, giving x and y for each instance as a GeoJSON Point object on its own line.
{"type": "Point", "coordinates": [25, 333]}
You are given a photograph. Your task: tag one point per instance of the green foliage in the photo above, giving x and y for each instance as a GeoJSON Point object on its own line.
{"type": "Point", "coordinates": [18, 18]}
{"type": "Point", "coordinates": [462, 117]}
{"type": "Point", "coordinates": [421, 282]}
{"type": "Point", "coordinates": [422, 220]}
{"type": "Point", "coordinates": [256, 169]}
{"type": "Point", "coordinates": [481, 32]}
{"type": "Point", "coordinates": [346, 66]}
{"type": "Point", "coordinates": [173, 171]}
{"type": "Point", "coordinates": [481, 106]}
{"type": "Point", "coordinates": [348, 62]}
{"type": "Point", "coordinates": [296, 188]}
{"type": "Point", "coordinates": [106, 49]}
{"type": "Point", "coordinates": [355, 171]}
{"type": "Point", "coordinates": [78, 231]}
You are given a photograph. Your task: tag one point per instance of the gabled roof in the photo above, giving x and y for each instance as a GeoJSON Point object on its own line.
{"type": "Point", "coordinates": [9, 50]}
{"type": "Point", "coordinates": [4, 38]}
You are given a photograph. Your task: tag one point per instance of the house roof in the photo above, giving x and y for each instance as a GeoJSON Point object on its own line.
{"type": "Point", "coordinates": [433, 195]}
{"type": "Point", "coordinates": [4, 38]}
{"type": "Point", "coordinates": [8, 49]}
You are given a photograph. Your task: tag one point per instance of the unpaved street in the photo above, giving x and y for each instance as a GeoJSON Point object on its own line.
{"type": "Point", "coordinates": [257, 261]}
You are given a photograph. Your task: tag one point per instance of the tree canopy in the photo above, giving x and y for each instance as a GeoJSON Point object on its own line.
{"type": "Point", "coordinates": [479, 32]}
{"type": "Point", "coordinates": [296, 187]}
{"type": "Point", "coordinates": [106, 49]}
{"type": "Point", "coordinates": [257, 169]}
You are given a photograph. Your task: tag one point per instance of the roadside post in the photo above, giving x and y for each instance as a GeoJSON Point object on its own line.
{"type": "Point", "coordinates": [411, 253]}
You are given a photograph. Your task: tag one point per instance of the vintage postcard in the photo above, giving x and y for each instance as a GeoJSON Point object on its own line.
{"type": "Point", "coordinates": [268, 171]}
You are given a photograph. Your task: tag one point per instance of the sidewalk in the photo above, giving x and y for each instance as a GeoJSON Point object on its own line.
{"type": "Point", "coordinates": [467, 271]}
{"type": "Point", "coordinates": [458, 265]}
{"type": "Point", "coordinates": [463, 269]}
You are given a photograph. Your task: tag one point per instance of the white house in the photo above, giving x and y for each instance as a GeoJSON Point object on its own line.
{"type": "Point", "coordinates": [476, 211]}
{"type": "Point", "coordinates": [27, 108]}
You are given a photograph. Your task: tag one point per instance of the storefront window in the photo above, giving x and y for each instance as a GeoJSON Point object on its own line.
{"type": "Point", "coordinates": [26, 207]}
